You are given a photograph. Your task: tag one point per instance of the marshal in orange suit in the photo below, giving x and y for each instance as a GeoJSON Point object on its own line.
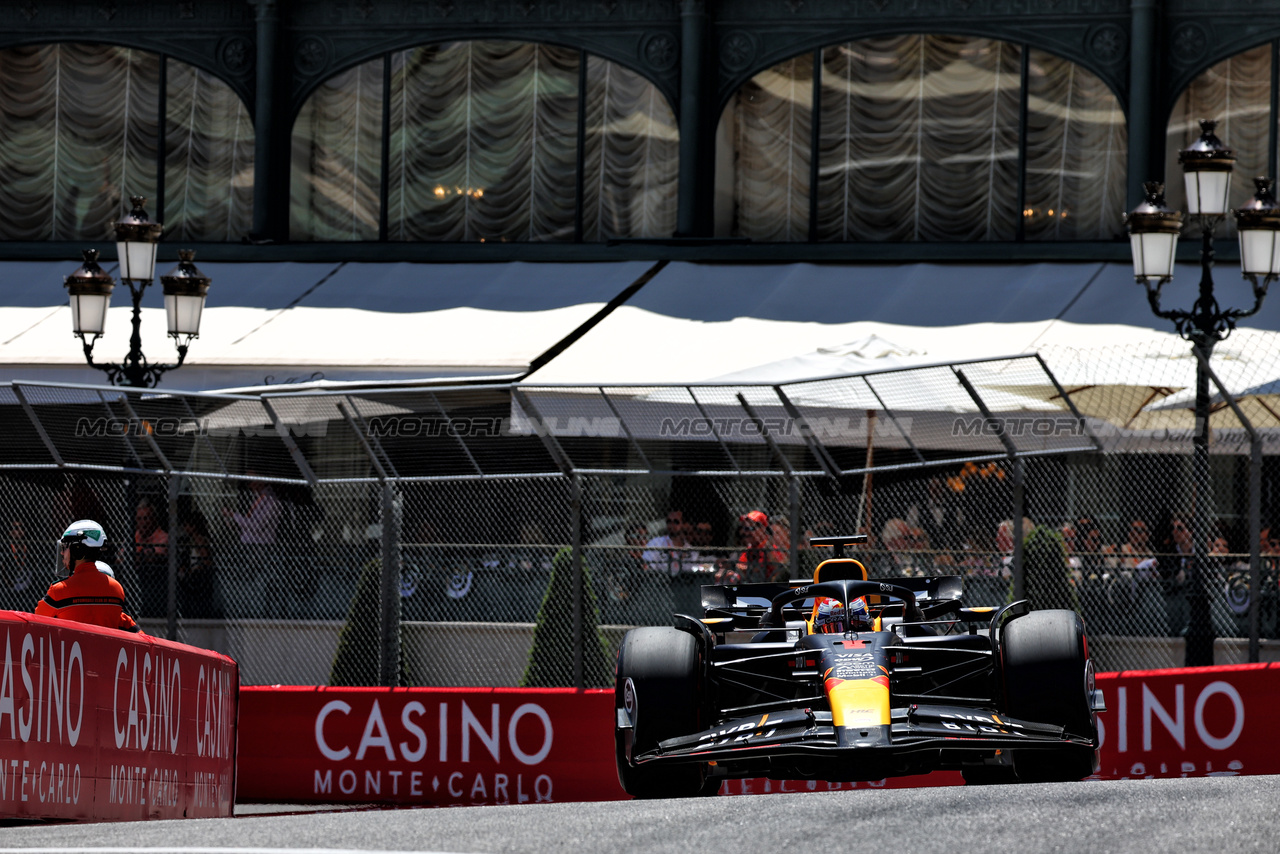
{"type": "Point", "coordinates": [86, 593]}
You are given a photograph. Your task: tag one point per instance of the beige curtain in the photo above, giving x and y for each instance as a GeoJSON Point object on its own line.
{"type": "Point", "coordinates": [483, 142]}
{"type": "Point", "coordinates": [78, 132]}
{"type": "Point", "coordinates": [337, 155]}
{"type": "Point", "coordinates": [918, 141]}
{"type": "Point", "coordinates": [77, 137]}
{"type": "Point", "coordinates": [771, 116]}
{"type": "Point", "coordinates": [1237, 93]}
{"type": "Point", "coordinates": [209, 148]}
{"type": "Point", "coordinates": [631, 156]}
{"type": "Point", "coordinates": [1077, 150]}
{"type": "Point", "coordinates": [483, 146]}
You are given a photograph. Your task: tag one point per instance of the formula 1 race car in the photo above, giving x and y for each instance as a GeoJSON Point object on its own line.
{"type": "Point", "coordinates": [845, 679]}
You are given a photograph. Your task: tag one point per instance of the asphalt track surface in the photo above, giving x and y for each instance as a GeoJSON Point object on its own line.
{"type": "Point", "coordinates": [1149, 816]}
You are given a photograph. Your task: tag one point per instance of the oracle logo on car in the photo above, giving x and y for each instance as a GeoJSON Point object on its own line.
{"type": "Point", "coordinates": [461, 734]}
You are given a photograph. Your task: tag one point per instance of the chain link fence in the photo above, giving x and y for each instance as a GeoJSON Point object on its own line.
{"type": "Point", "coordinates": [510, 534]}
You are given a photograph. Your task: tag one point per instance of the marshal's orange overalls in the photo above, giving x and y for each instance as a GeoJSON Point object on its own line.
{"type": "Point", "coordinates": [87, 596]}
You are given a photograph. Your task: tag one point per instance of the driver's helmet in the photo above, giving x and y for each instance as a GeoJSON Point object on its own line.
{"type": "Point", "coordinates": [86, 539]}
{"type": "Point", "coordinates": [832, 617]}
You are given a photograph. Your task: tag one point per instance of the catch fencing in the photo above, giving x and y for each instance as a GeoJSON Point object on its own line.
{"type": "Point", "coordinates": [493, 535]}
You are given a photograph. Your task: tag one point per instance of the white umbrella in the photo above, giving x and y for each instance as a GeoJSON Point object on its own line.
{"type": "Point", "coordinates": [1260, 404]}
{"type": "Point", "coordinates": [1247, 365]}
{"type": "Point", "coordinates": [1112, 386]}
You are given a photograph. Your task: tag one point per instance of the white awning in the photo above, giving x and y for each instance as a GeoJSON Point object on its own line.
{"type": "Point", "coordinates": [343, 321]}
{"type": "Point", "coordinates": [368, 322]}
{"type": "Point", "coordinates": [771, 323]}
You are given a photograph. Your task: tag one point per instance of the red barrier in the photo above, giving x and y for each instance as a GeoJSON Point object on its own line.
{"type": "Point", "coordinates": [1195, 722]}
{"type": "Point", "coordinates": [426, 745]}
{"type": "Point", "coordinates": [97, 724]}
{"type": "Point", "coordinates": [508, 745]}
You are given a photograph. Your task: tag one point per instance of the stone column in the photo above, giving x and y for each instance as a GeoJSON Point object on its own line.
{"type": "Point", "coordinates": [1142, 100]}
{"type": "Point", "coordinates": [694, 215]}
{"type": "Point", "coordinates": [270, 207]}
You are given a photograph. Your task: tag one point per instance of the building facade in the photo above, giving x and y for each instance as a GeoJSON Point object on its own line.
{"type": "Point", "coordinates": [600, 129]}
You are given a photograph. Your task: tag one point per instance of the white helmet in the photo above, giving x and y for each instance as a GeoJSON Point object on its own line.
{"type": "Point", "coordinates": [85, 540]}
{"type": "Point", "coordinates": [105, 569]}
{"type": "Point", "coordinates": [86, 532]}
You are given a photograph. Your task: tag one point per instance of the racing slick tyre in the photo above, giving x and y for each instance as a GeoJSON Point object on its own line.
{"type": "Point", "coordinates": [1048, 679]}
{"type": "Point", "coordinates": [659, 685]}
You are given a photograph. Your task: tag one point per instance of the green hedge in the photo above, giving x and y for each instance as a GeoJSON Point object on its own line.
{"type": "Point", "coordinates": [551, 656]}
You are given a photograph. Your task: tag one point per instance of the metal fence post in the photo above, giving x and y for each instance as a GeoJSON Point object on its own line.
{"type": "Point", "coordinates": [389, 657]}
{"type": "Point", "coordinates": [1255, 548]}
{"type": "Point", "coordinates": [1019, 513]}
{"type": "Point", "coordinates": [1019, 502]}
{"type": "Point", "coordinates": [172, 551]}
{"type": "Point", "coordinates": [576, 558]}
{"type": "Point", "coordinates": [1255, 508]}
{"type": "Point", "coordinates": [794, 556]}
{"type": "Point", "coordinates": [389, 566]}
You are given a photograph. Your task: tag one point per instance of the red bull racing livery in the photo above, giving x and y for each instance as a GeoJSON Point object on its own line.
{"type": "Point", "coordinates": [845, 679]}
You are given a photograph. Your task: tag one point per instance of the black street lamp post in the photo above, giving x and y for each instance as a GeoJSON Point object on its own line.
{"type": "Point", "coordinates": [185, 288]}
{"type": "Point", "coordinates": [1153, 235]}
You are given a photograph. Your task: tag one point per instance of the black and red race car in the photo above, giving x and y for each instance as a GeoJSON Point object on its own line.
{"type": "Point", "coordinates": [845, 678]}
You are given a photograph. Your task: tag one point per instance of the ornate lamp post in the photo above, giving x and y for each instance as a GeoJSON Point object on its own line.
{"type": "Point", "coordinates": [1153, 236]}
{"type": "Point", "coordinates": [185, 288]}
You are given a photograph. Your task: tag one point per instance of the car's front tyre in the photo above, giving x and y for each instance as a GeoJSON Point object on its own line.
{"type": "Point", "coordinates": [659, 686]}
{"type": "Point", "coordinates": [1047, 679]}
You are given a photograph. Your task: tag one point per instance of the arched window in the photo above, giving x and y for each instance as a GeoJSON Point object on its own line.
{"type": "Point", "coordinates": [919, 138]}
{"type": "Point", "coordinates": [1237, 93]}
{"type": "Point", "coordinates": [480, 141]}
{"type": "Point", "coordinates": [81, 131]}
{"type": "Point", "coordinates": [209, 146]}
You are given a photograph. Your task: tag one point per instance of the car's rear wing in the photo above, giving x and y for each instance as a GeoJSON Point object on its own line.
{"type": "Point", "coordinates": [930, 589]}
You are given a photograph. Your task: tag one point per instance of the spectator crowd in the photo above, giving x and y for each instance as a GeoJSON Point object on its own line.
{"type": "Point", "coordinates": [1116, 566]}
{"type": "Point", "coordinates": [943, 525]}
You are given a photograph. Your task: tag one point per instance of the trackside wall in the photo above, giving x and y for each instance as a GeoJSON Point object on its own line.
{"type": "Point", "coordinates": [97, 724]}
{"type": "Point", "coordinates": [1194, 722]}
{"type": "Point", "coordinates": [427, 746]}
{"type": "Point", "coordinates": [440, 746]}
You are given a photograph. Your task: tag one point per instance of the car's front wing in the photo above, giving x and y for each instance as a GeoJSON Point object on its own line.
{"type": "Point", "coordinates": [806, 734]}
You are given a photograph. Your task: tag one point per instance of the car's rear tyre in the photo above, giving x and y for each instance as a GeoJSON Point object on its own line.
{"type": "Point", "coordinates": [1047, 679]}
{"type": "Point", "coordinates": [663, 667]}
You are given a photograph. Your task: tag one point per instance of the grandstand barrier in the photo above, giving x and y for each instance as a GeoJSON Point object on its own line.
{"type": "Point", "coordinates": [466, 746]}
{"type": "Point", "coordinates": [101, 725]}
